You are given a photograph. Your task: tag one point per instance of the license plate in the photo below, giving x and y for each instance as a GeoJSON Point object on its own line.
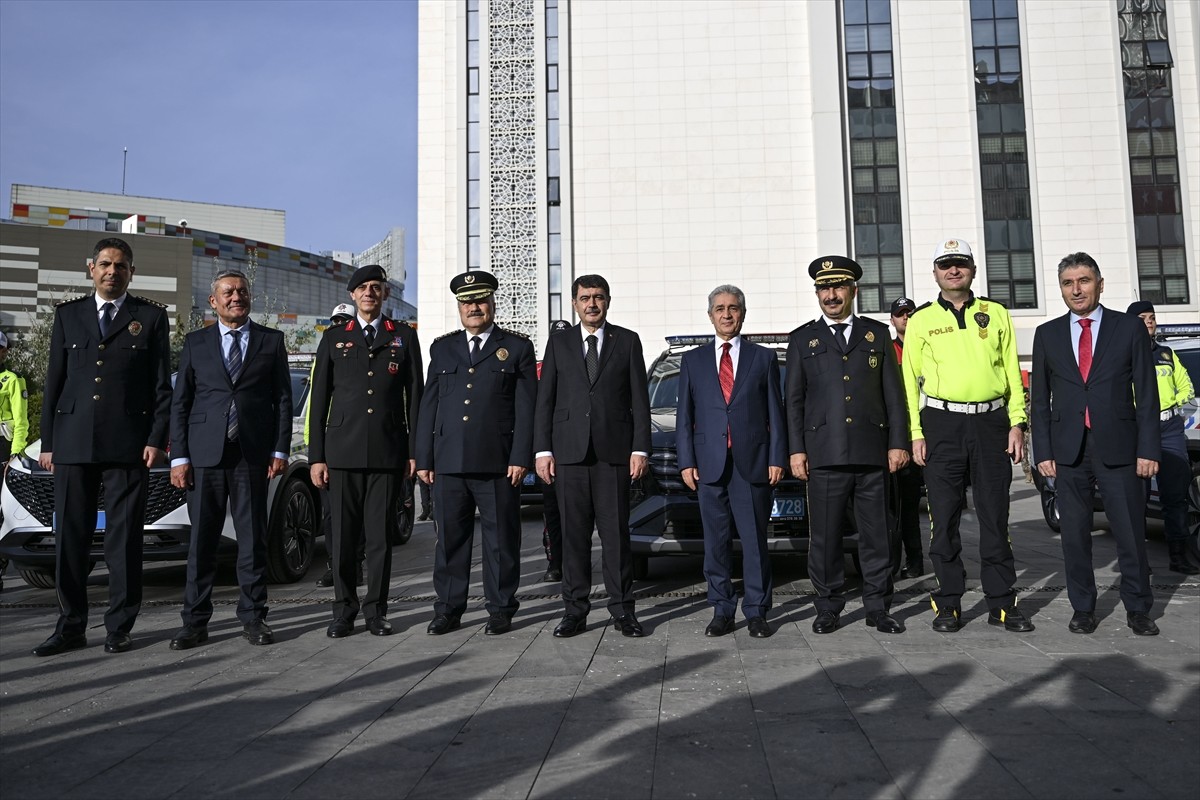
{"type": "Point", "coordinates": [787, 508]}
{"type": "Point", "coordinates": [100, 523]}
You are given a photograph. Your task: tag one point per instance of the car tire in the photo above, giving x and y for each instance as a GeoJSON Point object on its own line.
{"type": "Point", "coordinates": [402, 529]}
{"type": "Point", "coordinates": [37, 578]}
{"type": "Point", "coordinates": [292, 533]}
{"type": "Point", "coordinates": [641, 568]}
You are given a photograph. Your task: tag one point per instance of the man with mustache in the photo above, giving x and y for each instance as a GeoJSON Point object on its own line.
{"type": "Point", "coordinates": [961, 352]}
{"type": "Point", "coordinates": [474, 446]}
{"type": "Point", "coordinates": [231, 429]}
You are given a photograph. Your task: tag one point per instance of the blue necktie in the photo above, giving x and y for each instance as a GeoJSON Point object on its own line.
{"type": "Point", "coordinates": [233, 366]}
{"type": "Point", "coordinates": [105, 319]}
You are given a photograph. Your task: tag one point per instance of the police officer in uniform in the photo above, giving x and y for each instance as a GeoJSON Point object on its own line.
{"type": "Point", "coordinates": [366, 390]}
{"type": "Point", "coordinates": [104, 422]}
{"type": "Point", "coordinates": [1174, 470]}
{"type": "Point", "coordinates": [961, 351]}
{"type": "Point", "coordinates": [474, 446]}
{"type": "Point", "coordinates": [14, 419]}
{"type": "Point", "coordinates": [908, 479]}
{"type": "Point", "coordinates": [847, 431]}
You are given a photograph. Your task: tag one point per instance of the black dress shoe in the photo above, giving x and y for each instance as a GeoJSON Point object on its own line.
{"type": "Point", "coordinates": [1141, 624]}
{"type": "Point", "coordinates": [188, 637]}
{"type": "Point", "coordinates": [552, 575]}
{"type": "Point", "coordinates": [629, 626]}
{"type": "Point", "coordinates": [570, 626]}
{"type": "Point", "coordinates": [424, 515]}
{"type": "Point", "coordinates": [497, 624]}
{"type": "Point", "coordinates": [719, 626]}
{"type": "Point", "coordinates": [442, 623]}
{"type": "Point", "coordinates": [60, 643]}
{"type": "Point", "coordinates": [257, 632]}
{"type": "Point", "coordinates": [884, 622]}
{"type": "Point", "coordinates": [1011, 618]}
{"type": "Point", "coordinates": [118, 642]}
{"type": "Point", "coordinates": [826, 622]}
{"type": "Point", "coordinates": [946, 621]}
{"type": "Point", "coordinates": [326, 580]}
{"type": "Point", "coordinates": [913, 568]}
{"type": "Point", "coordinates": [379, 626]}
{"type": "Point", "coordinates": [1082, 622]}
{"type": "Point", "coordinates": [340, 629]}
{"type": "Point", "coordinates": [758, 627]}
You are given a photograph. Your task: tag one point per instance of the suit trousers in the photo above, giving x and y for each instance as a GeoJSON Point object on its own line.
{"type": "Point", "coordinates": [552, 532]}
{"type": "Point", "coordinates": [1125, 506]}
{"type": "Point", "coordinates": [830, 490]}
{"type": "Point", "coordinates": [76, 492]}
{"type": "Point", "coordinates": [455, 498]}
{"type": "Point", "coordinates": [958, 446]}
{"type": "Point", "coordinates": [595, 494]}
{"type": "Point", "coordinates": [734, 506]}
{"type": "Point", "coordinates": [364, 501]}
{"type": "Point", "coordinates": [241, 486]}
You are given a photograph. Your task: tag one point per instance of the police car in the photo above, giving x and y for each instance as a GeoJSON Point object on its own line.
{"type": "Point", "coordinates": [293, 526]}
{"type": "Point", "coordinates": [1185, 341]}
{"type": "Point", "coordinates": [664, 517]}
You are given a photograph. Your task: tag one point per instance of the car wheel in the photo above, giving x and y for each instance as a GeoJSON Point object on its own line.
{"type": "Point", "coordinates": [292, 534]}
{"type": "Point", "coordinates": [402, 529]}
{"type": "Point", "coordinates": [39, 579]}
{"type": "Point", "coordinates": [1050, 509]}
{"type": "Point", "coordinates": [641, 568]}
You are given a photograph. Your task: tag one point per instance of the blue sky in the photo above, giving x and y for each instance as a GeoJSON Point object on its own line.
{"type": "Point", "coordinates": [305, 106]}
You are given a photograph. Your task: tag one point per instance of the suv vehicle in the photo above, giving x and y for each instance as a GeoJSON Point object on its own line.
{"type": "Point", "coordinates": [1185, 341]}
{"type": "Point", "coordinates": [664, 516]}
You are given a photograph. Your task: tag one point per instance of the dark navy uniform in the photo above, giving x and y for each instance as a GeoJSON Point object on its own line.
{"type": "Point", "coordinates": [364, 403]}
{"type": "Point", "coordinates": [476, 421]}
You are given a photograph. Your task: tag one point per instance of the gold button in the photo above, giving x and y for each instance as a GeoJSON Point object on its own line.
{"type": "Point", "coordinates": [847, 398]}
{"type": "Point", "coordinates": [849, 419]}
{"type": "Point", "coordinates": [95, 397]}
{"type": "Point", "coordinates": [370, 355]}
{"type": "Point", "coordinates": [468, 386]}
{"type": "Point", "coordinates": [99, 363]}
{"type": "Point", "coordinates": [372, 411]}
{"type": "Point", "coordinates": [101, 347]}
{"type": "Point", "coordinates": [471, 370]}
{"type": "Point", "coordinates": [845, 358]}
{"type": "Point", "coordinates": [370, 373]}
{"type": "Point", "coordinates": [467, 402]}
{"type": "Point", "coordinates": [465, 419]}
{"type": "Point", "coordinates": [846, 378]}
{"type": "Point", "coordinates": [370, 391]}
{"type": "Point", "coordinates": [97, 379]}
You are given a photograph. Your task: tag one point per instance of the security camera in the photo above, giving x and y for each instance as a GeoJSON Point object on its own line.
{"type": "Point", "coordinates": [183, 223]}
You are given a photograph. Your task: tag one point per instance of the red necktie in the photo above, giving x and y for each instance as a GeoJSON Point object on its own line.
{"type": "Point", "coordinates": [725, 376]}
{"type": "Point", "coordinates": [1085, 360]}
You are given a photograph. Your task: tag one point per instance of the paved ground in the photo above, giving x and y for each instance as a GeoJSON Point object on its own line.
{"type": "Point", "coordinates": [982, 713]}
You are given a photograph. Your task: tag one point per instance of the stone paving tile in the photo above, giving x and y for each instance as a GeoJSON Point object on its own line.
{"type": "Point", "coordinates": [814, 755]}
{"type": "Point", "coordinates": [600, 758]}
{"type": "Point", "coordinates": [716, 761]}
{"type": "Point", "coordinates": [955, 765]}
{"type": "Point", "coordinates": [1065, 767]}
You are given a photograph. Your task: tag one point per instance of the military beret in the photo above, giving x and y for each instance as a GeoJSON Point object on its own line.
{"type": "Point", "coordinates": [950, 250]}
{"type": "Point", "coordinates": [371, 272]}
{"type": "Point", "coordinates": [1139, 307]}
{"type": "Point", "coordinates": [834, 271]}
{"type": "Point", "coordinates": [903, 304]}
{"type": "Point", "coordinates": [474, 285]}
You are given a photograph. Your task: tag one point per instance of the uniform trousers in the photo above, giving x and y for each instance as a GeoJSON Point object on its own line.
{"type": "Point", "coordinates": [905, 503]}
{"type": "Point", "coordinates": [364, 500]}
{"type": "Point", "coordinates": [1125, 506]}
{"type": "Point", "coordinates": [830, 490]}
{"type": "Point", "coordinates": [732, 506]}
{"type": "Point", "coordinates": [242, 486]}
{"type": "Point", "coordinates": [76, 492]}
{"type": "Point", "coordinates": [959, 446]}
{"type": "Point", "coordinates": [1174, 478]}
{"type": "Point", "coordinates": [499, 502]}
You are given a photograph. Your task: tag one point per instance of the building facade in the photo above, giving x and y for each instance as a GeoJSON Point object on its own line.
{"type": "Point", "coordinates": [674, 145]}
{"type": "Point", "coordinates": [389, 254]}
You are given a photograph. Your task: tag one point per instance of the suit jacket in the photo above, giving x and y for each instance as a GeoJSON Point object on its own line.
{"type": "Point", "coordinates": [107, 398]}
{"type": "Point", "coordinates": [203, 391]}
{"type": "Point", "coordinates": [1122, 370]}
{"type": "Point", "coordinates": [365, 400]}
{"type": "Point", "coordinates": [613, 414]}
{"type": "Point", "coordinates": [845, 403]}
{"type": "Point", "coordinates": [478, 418]}
{"type": "Point", "coordinates": [753, 416]}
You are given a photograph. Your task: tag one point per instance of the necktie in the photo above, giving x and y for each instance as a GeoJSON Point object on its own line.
{"type": "Point", "coordinates": [233, 366]}
{"type": "Point", "coordinates": [725, 376]}
{"type": "Point", "coordinates": [105, 318]}
{"type": "Point", "coordinates": [839, 331]}
{"type": "Point", "coordinates": [592, 359]}
{"type": "Point", "coordinates": [475, 340]}
{"type": "Point", "coordinates": [1085, 360]}
{"type": "Point", "coordinates": [369, 332]}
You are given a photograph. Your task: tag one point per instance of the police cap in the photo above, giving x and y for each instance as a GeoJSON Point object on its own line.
{"type": "Point", "coordinates": [558, 326]}
{"type": "Point", "coordinates": [1139, 307]}
{"type": "Point", "coordinates": [371, 272]}
{"type": "Point", "coordinates": [903, 305]}
{"type": "Point", "coordinates": [473, 285]}
{"type": "Point", "coordinates": [950, 251]}
{"type": "Point", "coordinates": [343, 311]}
{"type": "Point", "coordinates": [834, 271]}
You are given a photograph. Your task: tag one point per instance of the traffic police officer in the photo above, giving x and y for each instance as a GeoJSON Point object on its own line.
{"type": "Point", "coordinates": [366, 390]}
{"type": "Point", "coordinates": [908, 480]}
{"type": "Point", "coordinates": [847, 430]}
{"type": "Point", "coordinates": [474, 446]}
{"type": "Point", "coordinates": [961, 352]}
{"type": "Point", "coordinates": [14, 419]}
{"type": "Point", "coordinates": [1174, 470]}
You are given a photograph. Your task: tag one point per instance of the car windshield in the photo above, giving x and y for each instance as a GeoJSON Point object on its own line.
{"type": "Point", "coordinates": [663, 382]}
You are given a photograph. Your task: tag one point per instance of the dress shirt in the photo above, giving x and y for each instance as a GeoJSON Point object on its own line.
{"type": "Point", "coordinates": [483, 337]}
{"type": "Point", "coordinates": [100, 301]}
{"type": "Point", "coordinates": [848, 322]}
{"type": "Point", "coordinates": [1077, 330]}
{"type": "Point", "coordinates": [735, 349]}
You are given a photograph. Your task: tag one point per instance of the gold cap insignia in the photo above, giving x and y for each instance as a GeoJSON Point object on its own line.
{"type": "Point", "coordinates": [827, 264]}
{"type": "Point", "coordinates": [502, 354]}
{"type": "Point", "coordinates": [469, 279]}
{"type": "Point", "coordinates": [952, 244]}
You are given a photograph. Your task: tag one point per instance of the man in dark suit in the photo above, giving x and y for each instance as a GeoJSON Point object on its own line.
{"type": "Point", "coordinates": [1088, 367]}
{"type": "Point", "coordinates": [366, 390]}
{"type": "Point", "coordinates": [592, 434]}
{"type": "Point", "coordinates": [848, 429]}
{"type": "Point", "coordinates": [474, 446]}
{"type": "Point", "coordinates": [731, 438]}
{"type": "Point", "coordinates": [104, 421]}
{"type": "Point", "coordinates": [231, 429]}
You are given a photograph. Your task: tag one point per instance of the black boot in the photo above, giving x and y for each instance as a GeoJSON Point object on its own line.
{"type": "Point", "coordinates": [1177, 550]}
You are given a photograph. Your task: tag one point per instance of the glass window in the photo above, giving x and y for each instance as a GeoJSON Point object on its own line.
{"type": "Point", "coordinates": [989, 118]}
{"type": "Point", "coordinates": [858, 66]}
{"type": "Point", "coordinates": [981, 9]}
{"type": "Point", "coordinates": [552, 78]}
{"type": "Point", "coordinates": [881, 65]}
{"type": "Point", "coordinates": [855, 12]}
{"type": "Point", "coordinates": [881, 37]}
{"type": "Point", "coordinates": [886, 151]}
{"type": "Point", "coordinates": [879, 11]}
{"type": "Point", "coordinates": [1010, 59]}
{"type": "Point", "coordinates": [888, 179]}
{"type": "Point", "coordinates": [983, 32]}
{"type": "Point", "coordinates": [856, 39]}
{"type": "Point", "coordinates": [1013, 117]}
{"type": "Point", "coordinates": [985, 61]}
{"type": "Point", "coordinates": [1008, 32]}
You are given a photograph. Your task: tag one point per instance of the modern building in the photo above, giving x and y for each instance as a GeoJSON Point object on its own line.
{"type": "Point", "coordinates": [388, 254]}
{"type": "Point", "coordinates": [674, 145]}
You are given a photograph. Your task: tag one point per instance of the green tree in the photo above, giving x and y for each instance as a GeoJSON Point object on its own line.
{"type": "Point", "coordinates": [29, 357]}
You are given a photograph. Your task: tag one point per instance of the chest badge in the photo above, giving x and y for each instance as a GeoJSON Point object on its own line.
{"type": "Point", "coordinates": [397, 342]}
{"type": "Point", "coordinates": [870, 337]}
{"type": "Point", "coordinates": [393, 368]}
{"type": "Point", "coordinates": [135, 328]}
{"type": "Point", "coordinates": [982, 320]}
{"type": "Point", "coordinates": [340, 345]}
{"type": "Point", "coordinates": [813, 342]}
{"type": "Point", "coordinates": [873, 360]}
{"type": "Point", "coordinates": [502, 354]}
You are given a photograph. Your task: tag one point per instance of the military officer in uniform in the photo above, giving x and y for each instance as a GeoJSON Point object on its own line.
{"type": "Point", "coordinates": [104, 422]}
{"type": "Point", "coordinates": [366, 390]}
{"type": "Point", "coordinates": [848, 431]}
{"type": "Point", "coordinates": [961, 351]}
{"type": "Point", "coordinates": [474, 446]}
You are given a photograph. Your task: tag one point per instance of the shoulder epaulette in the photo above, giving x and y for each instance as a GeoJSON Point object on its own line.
{"type": "Point", "coordinates": [1167, 353]}
{"type": "Point", "coordinates": [66, 300]}
{"type": "Point", "coordinates": [807, 324]}
{"type": "Point", "coordinates": [518, 334]}
{"type": "Point", "coordinates": [926, 304]}
{"type": "Point", "coordinates": [148, 301]}
{"type": "Point", "coordinates": [446, 335]}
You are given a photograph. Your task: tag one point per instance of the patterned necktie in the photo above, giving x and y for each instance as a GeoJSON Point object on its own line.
{"type": "Point", "coordinates": [475, 340]}
{"type": "Point", "coordinates": [105, 319]}
{"type": "Point", "coordinates": [725, 376]}
{"type": "Point", "coordinates": [233, 366]}
{"type": "Point", "coordinates": [592, 359]}
{"type": "Point", "coordinates": [839, 331]}
{"type": "Point", "coordinates": [369, 332]}
{"type": "Point", "coordinates": [1085, 360]}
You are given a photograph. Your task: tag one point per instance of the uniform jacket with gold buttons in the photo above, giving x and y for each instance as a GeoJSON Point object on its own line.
{"type": "Point", "coordinates": [364, 400]}
{"type": "Point", "coordinates": [845, 404]}
{"type": "Point", "coordinates": [107, 398]}
{"type": "Point", "coordinates": [478, 418]}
